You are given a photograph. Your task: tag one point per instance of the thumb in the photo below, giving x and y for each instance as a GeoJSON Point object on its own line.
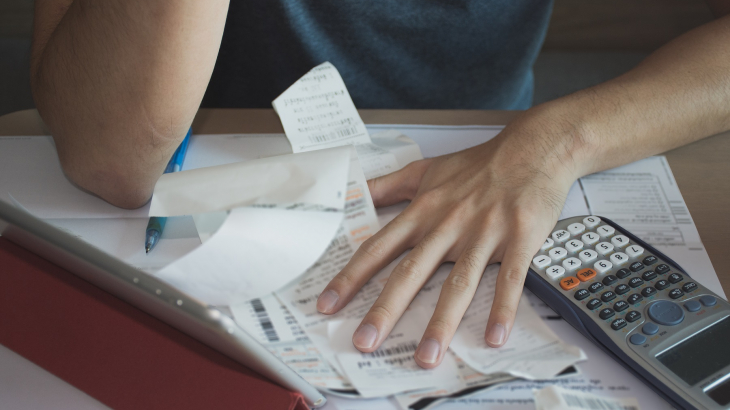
{"type": "Point", "coordinates": [401, 185]}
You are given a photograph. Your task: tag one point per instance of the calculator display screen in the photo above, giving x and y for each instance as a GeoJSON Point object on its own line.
{"type": "Point", "coordinates": [701, 355]}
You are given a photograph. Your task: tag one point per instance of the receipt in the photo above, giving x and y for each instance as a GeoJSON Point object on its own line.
{"type": "Point", "coordinates": [273, 326]}
{"type": "Point", "coordinates": [557, 398]}
{"type": "Point", "coordinates": [391, 368]}
{"type": "Point", "coordinates": [280, 224]}
{"type": "Point", "coordinates": [532, 351]}
{"type": "Point", "coordinates": [317, 112]}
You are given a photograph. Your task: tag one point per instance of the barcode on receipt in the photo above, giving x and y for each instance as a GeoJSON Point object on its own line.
{"type": "Point", "coordinates": [335, 134]}
{"type": "Point", "coordinates": [400, 348]}
{"type": "Point", "coordinates": [263, 316]}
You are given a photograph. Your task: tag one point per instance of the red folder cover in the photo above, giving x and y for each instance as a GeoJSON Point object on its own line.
{"type": "Point", "coordinates": [114, 352]}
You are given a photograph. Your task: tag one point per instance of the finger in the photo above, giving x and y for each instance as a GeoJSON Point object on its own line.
{"type": "Point", "coordinates": [456, 295]}
{"type": "Point", "coordinates": [399, 186]}
{"type": "Point", "coordinates": [403, 284]}
{"type": "Point", "coordinates": [372, 256]}
{"type": "Point", "coordinates": [508, 290]}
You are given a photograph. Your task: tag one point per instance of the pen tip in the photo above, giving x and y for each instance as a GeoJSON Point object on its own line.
{"type": "Point", "coordinates": [146, 249]}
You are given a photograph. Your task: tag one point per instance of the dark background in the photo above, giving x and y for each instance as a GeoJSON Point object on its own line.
{"type": "Point", "coordinates": [588, 42]}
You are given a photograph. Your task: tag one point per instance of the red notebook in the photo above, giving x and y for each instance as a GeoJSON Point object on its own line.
{"type": "Point", "coordinates": [114, 352]}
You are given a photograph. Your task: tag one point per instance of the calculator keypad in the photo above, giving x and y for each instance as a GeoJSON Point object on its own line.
{"type": "Point", "coordinates": [608, 274]}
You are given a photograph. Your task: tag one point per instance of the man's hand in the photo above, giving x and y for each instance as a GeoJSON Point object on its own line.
{"type": "Point", "coordinates": [496, 202]}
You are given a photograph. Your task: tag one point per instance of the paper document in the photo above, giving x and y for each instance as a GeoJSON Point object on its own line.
{"type": "Point", "coordinates": [556, 398]}
{"type": "Point", "coordinates": [317, 112]}
{"type": "Point", "coordinates": [391, 368]}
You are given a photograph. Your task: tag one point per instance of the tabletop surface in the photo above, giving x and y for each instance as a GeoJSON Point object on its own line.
{"type": "Point", "coordinates": [702, 169]}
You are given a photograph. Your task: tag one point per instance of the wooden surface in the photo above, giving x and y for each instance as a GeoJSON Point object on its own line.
{"type": "Point", "coordinates": [702, 169]}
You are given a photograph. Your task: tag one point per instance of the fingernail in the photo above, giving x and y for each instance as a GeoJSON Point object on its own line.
{"type": "Point", "coordinates": [327, 301]}
{"type": "Point", "coordinates": [428, 351]}
{"type": "Point", "coordinates": [364, 337]}
{"type": "Point", "coordinates": [495, 335]}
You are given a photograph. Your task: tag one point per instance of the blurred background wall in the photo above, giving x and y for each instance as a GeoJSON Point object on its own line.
{"type": "Point", "coordinates": [588, 42]}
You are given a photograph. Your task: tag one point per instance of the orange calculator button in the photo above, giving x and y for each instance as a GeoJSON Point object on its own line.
{"type": "Point", "coordinates": [569, 283]}
{"type": "Point", "coordinates": [586, 274]}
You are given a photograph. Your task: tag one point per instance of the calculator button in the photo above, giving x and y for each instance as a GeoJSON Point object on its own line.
{"type": "Point", "coordinates": [609, 280]}
{"type": "Point", "coordinates": [606, 313]}
{"type": "Point", "coordinates": [619, 258]}
{"type": "Point", "coordinates": [605, 231]}
{"type": "Point", "coordinates": [555, 271]}
{"type": "Point", "coordinates": [648, 275]}
{"type": "Point", "coordinates": [593, 304]}
{"type": "Point", "coordinates": [666, 313]}
{"type": "Point", "coordinates": [619, 241]}
{"type": "Point", "coordinates": [542, 261]}
{"type": "Point", "coordinates": [633, 316]}
{"type": "Point", "coordinates": [662, 269]}
{"type": "Point", "coordinates": [636, 266]}
{"type": "Point", "coordinates": [708, 300]}
{"type": "Point", "coordinates": [689, 287]}
{"type": "Point", "coordinates": [623, 273]}
{"type": "Point", "coordinates": [560, 236]}
{"type": "Point", "coordinates": [649, 329]}
{"type": "Point", "coordinates": [586, 274]}
{"type": "Point", "coordinates": [635, 282]}
{"type": "Point", "coordinates": [622, 288]}
{"type": "Point", "coordinates": [571, 264]}
{"type": "Point", "coordinates": [620, 306]}
{"type": "Point", "coordinates": [618, 324]}
{"type": "Point", "coordinates": [604, 248]}
{"type": "Point", "coordinates": [650, 260]}
{"type": "Point", "coordinates": [662, 284]}
{"type": "Point", "coordinates": [576, 228]}
{"type": "Point", "coordinates": [692, 306]}
{"type": "Point", "coordinates": [603, 266]}
{"type": "Point", "coordinates": [591, 221]}
{"type": "Point", "coordinates": [637, 339]}
{"type": "Point", "coordinates": [547, 244]}
{"type": "Point", "coordinates": [590, 238]}
{"type": "Point", "coordinates": [569, 283]}
{"type": "Point", "coordinates": [595, 287]}
{"type": "Point", "coordinates": [608, 296]}
{"type": "Point", "coordinates": [634, 251]}
{"type": "Point", "coordinates": [676, 293]}
{"type": "Point", "coordinates": [573, 245]}
{"type": "Point", "coordinates": [634, 298]}
{"type": "Point", "coordinates": [675, 278]}
{"type": "Point", "coordinates": [581, 294]}
{"type": "Point", "coordinates": [648, 292]}
{"type": "Point", "coordinates": [557, 253]}
{"type": "Point", "coordinates": [588, 255]}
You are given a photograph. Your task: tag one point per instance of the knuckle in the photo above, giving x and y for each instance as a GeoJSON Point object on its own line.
{"type": "Point", "coordinates": [504, 310]}
{"type": "Point", "coordinates": [374, 247]}
{"type": "Point", "coordinates": [407, 271]}
{"type": "Point", "coordinates": [513, 277]}
{"type": "Point", "coordinates": [441, 326]}
{"type": "Point", "coordinates": [381, 312]}
{"type": "Point", "coordinates": [459, 282]}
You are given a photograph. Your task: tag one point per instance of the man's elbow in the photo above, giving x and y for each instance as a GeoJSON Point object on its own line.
{"type": "Point", "coordinates": [114, 183]}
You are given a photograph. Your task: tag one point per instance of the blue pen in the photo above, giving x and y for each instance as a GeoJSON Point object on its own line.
{"type": "Point", "coordinates": [157, 223]}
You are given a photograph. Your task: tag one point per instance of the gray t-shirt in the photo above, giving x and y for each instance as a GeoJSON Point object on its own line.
{"type": "Point", "coordinates": [469, 54]}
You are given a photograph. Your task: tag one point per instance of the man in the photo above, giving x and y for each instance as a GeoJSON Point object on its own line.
{"type": "Point", "coordinates": [119, 82]}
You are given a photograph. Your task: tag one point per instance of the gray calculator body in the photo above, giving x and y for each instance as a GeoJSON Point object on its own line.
{"type": "Point", "coordinates": [639, 307]}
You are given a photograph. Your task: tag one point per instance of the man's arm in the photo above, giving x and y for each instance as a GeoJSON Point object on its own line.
{"type": "Point", "coordinates": [497, 202]}
{"type": "Point", "coordinates": [118, 83]}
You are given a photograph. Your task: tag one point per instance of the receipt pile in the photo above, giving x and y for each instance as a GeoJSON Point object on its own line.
{"type": "Point", "coordinates": [318, 114]}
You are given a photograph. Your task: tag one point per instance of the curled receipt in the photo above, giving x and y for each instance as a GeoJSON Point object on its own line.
{"type": "Point", "coordinates": [282, 215]}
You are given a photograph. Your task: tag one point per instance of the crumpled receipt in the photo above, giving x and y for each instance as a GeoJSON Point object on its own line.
{"type": "Point", "coordinates": [283, 213]}
{"type": "Point", "coordinates": [558, 398]}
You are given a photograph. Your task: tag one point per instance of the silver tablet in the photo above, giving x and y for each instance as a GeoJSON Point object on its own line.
{"type": "Point", "coordinates": [150, 294]}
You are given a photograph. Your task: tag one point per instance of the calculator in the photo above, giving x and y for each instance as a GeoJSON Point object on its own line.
{"type": "Point", "coordinates": [639, 307]}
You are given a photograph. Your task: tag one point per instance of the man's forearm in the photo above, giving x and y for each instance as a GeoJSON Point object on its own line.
{"type": "Point", "coordinates": [679, 94]}
{"type": "Point", "coordinates": [119, 82]}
